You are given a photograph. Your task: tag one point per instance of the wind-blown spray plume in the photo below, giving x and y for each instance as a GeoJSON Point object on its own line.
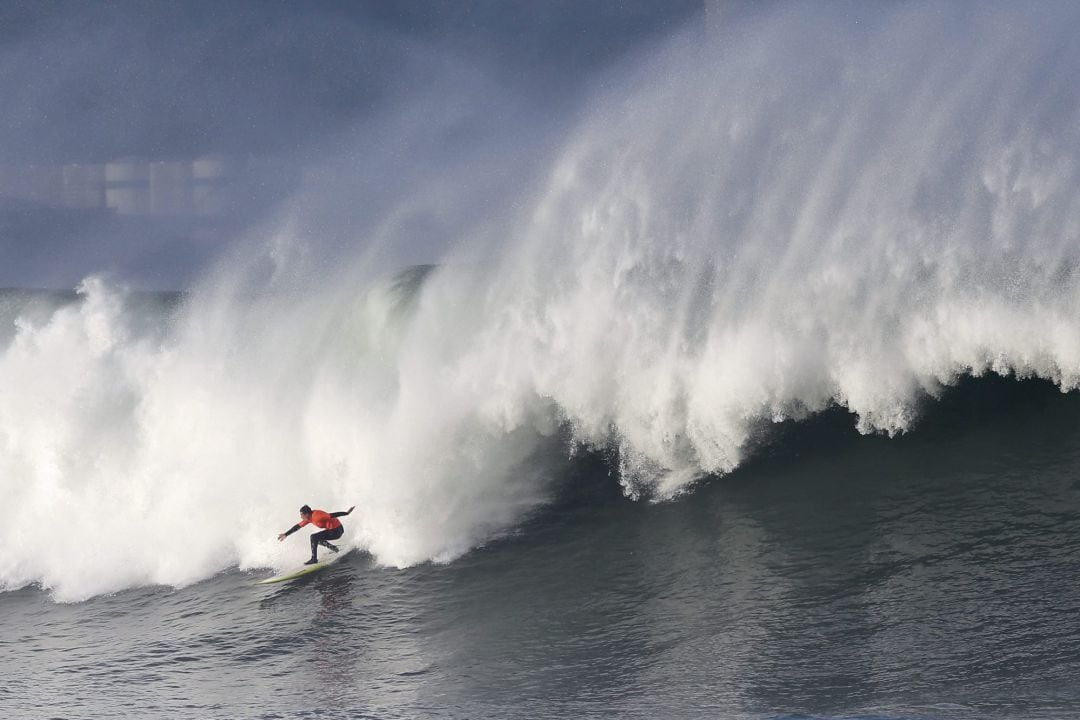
{"type": "Point", "coordinates": [804, 213]}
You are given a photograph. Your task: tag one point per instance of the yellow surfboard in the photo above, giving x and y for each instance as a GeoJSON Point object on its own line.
{"type": "Point", "coordinates": [329, 558]}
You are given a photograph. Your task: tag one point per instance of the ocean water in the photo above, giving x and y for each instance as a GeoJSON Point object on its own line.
{"type": "Point", "coordinates": [761, 401]}
{"type": "Point", "coordinates": [932, 576]}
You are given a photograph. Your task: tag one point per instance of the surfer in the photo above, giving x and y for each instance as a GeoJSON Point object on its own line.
{"type": "Point", "coordinates": [332, 529]}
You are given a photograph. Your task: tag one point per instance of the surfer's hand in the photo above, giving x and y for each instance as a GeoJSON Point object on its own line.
{"type": "Point", "coordinates": [350, 510]}
{"type": "Point", "coordinates": [281, 537]}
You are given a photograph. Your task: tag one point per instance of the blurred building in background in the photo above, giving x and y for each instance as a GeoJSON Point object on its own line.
{"type": "Point", "coordinates": [154, 221]}
{"type": "Point", "coordinates": [208, 186]}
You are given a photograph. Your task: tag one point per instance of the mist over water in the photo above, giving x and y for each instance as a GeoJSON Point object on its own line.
{"type": "Point", "coordinates": [805, 208]}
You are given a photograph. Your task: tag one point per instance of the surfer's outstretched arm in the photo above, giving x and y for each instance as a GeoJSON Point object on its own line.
{"type": "Point", "coordinates": [342, 514]}
{"type": "Point", "coordinates": [288, 532]}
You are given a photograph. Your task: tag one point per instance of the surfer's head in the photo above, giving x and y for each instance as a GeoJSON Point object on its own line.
{"type": "Point", "coordinates": [305, 512]}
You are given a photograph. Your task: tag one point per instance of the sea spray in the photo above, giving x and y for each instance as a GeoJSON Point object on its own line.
{"type": "Point", "coordinates": [806, 211]}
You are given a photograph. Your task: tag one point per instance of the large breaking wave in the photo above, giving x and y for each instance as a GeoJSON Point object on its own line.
{"type": "Point", "coordinates": [803, 209]}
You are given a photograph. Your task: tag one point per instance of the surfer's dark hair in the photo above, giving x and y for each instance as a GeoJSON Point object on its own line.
{"type": "Point", "coordinates": [305, 510]}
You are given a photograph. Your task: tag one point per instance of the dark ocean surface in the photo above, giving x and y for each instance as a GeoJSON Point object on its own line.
{"type": "Point", "coordinates": [932, 575]}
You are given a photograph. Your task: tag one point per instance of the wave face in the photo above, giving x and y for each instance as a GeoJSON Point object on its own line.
{"type": "Point", "coordinates": [808, 208]}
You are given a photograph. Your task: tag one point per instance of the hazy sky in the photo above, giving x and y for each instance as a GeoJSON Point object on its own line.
{"type": "Point", "coordinates": [93, 81]}
{"type": "Point", "coordinates": [390, 102]}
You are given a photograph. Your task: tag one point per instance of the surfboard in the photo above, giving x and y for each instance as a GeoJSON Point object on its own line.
{"type": "Point", "coordinates": [329, 558]}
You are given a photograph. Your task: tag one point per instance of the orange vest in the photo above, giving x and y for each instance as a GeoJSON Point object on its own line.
{"type": "Point", "coordinates": [322, 519]}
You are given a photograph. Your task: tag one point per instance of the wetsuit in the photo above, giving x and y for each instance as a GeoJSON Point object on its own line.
{"type": "Point", "coordinates": [332, 530]}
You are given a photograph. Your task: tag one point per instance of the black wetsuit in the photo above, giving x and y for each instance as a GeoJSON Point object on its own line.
{"type": "Point", "coordinates": [322, 537]}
